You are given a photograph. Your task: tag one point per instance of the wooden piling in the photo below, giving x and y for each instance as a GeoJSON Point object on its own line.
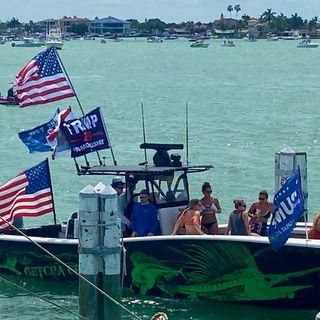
{"type": "Point", "coordinates": [89, 261]}
{"type": "Point", "coordinates": [111, 258]}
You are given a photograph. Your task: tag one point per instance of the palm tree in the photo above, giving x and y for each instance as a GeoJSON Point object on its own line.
{"type": "Point", "coordinates": [268, 16]}
{"type": "Point", "coordinates": [230, 9]}
{"type": "Point", "coordinates": [237, 8]}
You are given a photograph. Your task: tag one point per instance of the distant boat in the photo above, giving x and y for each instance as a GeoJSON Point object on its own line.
{"type": "Point", "coordinates": [28, 42]}
{"type": "Point", "coordinates": [228, 43]}
{"type": "Point", "coordinates": [249, 38]}
{"type": "Point", "coordinates": [199, 44]}
{"type": "Point", "coordinates": [306, 43]}
{"type": "Point", "coordinates": [8, 102]}
{"type": "Point", "coordinates": [54, 38]}
{"type": "Point", "coordinates": [272, 37]}
{"type": "Point", "coordinates": [154, 39]}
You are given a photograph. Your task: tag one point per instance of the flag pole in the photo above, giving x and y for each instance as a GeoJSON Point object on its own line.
{"type": "Point", "coordinates": [187, 132]}
{"type": "Point", "coordinates": [76, 96]}
{"type": "Point", "coordinates": [65, 71]}
{"type": "Point", "coordinates": [144, 133]}
{"type": "Point", "coordinates": [53, 207]}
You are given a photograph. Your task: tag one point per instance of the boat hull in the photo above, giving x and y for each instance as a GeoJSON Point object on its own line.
{"type": "Point", "coordinates": [7, 102]}
{"type": "Point", "coordinates": [220, 268]}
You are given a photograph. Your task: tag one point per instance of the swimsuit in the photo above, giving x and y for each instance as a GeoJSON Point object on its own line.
{"type": "Point", "coordinates": [206, 208]}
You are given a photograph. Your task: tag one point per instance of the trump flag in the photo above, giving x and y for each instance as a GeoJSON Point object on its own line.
{"type": "Point", "coordinates": [28, 194]}
{"type": "Point", "coordinates": [86, 134]}
{"type": "Point", "coordinates": [289, 206]}
{"type": "Point", "coordinates": [35, 139]}
{"type": "Point", "coordinates": [42, 81]}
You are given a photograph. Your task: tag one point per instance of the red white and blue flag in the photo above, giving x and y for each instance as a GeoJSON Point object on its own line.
{"type": "Point", "coordinates": [28, 194]}
{"type": "Point", "coordinates": [56, 138]}
{"type": "Point", "coordinates": [42, 81]}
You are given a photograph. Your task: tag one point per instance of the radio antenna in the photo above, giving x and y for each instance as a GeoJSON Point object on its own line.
{"type": "Point", "coordinates": [187, 133]}
{"type": "Point", "coordinates": [144, 133]}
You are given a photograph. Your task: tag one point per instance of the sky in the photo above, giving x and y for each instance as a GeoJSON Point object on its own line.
{"type": "Point", "coordinates": [166, 10]}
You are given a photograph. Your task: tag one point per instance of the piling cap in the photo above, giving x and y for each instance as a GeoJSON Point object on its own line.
{"type": "Point", "coordinates": [117, 182]}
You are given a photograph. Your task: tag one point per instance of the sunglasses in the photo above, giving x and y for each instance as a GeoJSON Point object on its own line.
{"type": "Point", "coordinates": [208, 191]}
{"type": "Point", "coordinates": [262, 199]}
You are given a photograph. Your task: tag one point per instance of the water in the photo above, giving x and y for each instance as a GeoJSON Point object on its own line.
{"type": "Point", "coordinates": [245, 104]}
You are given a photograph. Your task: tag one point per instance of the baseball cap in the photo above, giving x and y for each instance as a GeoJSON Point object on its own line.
{"type": "Point", "coordinates": [117, 182]}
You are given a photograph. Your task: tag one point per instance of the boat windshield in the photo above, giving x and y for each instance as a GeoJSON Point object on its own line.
{"type": "Point", "coordinates": [165, 190]}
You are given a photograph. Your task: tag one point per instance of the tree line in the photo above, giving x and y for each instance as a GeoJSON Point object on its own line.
{"type": "Point", "coordinates": [269, 20]}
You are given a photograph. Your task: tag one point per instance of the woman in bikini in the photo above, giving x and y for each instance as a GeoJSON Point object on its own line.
{"type": "Point", "coordinates": [209, 206]}
{"type": "Point", "coordinates": [259, 214]}
{"type": "Point", "coordinates": [190, 217]}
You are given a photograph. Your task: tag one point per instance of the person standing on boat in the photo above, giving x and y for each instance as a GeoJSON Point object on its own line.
{"type": "Point", "coordinates": [209, 206]}
{"type": "Point", "coordinates": [259, 213]}
{"type": "Point", "coordinates": [190, 219]}
{"type": "Point", "coordinates": [118, 185]}
{"type": "Point", "coordinates": [238, 223]}
{"type": "Point", "coordinates": [314, 232]}
{"type": "Point", "coordinates": [144, 221]}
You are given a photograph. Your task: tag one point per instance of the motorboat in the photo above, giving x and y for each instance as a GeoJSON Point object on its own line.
{"type": "Point", "coordinates": [306, 43]}
{"type": "Point", "coordinates": [54, 38]}
{"type": "Point", "coordinates": [154, 39]}
{"type": "Point", "coordinates": [28, 42]}
{"type": "Point", "coordinates": [272, 37]}
{"type": "Point", "coordinates": [228, 43]}
{"type": "Point", "coordinates": [8, 102]}
{"type": "Point", "coordinates": [212, 267]}
{"type": "Point", "coordinates": [250, 38]}
{"type": "Point", "coordinates": [199, 44]}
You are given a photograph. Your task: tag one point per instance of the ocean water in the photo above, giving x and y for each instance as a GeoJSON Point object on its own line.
{"type": "Point", "coordinates": [245, 104]}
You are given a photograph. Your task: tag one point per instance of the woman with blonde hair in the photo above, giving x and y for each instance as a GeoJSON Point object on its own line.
{"type": "Point", "coordinates": [190, 217]}
{"type": "Point", "coordinates": [314, 232]}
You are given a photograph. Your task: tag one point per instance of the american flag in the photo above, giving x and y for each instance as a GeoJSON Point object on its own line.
{"type": "Point", "coordinates": [42, 81]}
{"type": "Point", "coordinates": [28, 194]}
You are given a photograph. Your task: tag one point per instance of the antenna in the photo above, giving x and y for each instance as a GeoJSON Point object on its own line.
{"type": "Point", "coordinates": [187, 133]}
{"type": "Point", "coordinates": [144, 133]}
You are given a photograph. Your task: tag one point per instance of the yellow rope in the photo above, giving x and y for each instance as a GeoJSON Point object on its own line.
{"type": "Point", "coordinates": [42, 298]}
{"type": "Point", "coordinates": [70, 269]}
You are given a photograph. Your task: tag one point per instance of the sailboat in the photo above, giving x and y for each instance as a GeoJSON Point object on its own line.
{"type": "Point", "coordinates": [53, 37]}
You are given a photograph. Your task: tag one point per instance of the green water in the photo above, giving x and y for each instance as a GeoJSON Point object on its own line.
{"type": "Point", "coordinates": [245, 104]}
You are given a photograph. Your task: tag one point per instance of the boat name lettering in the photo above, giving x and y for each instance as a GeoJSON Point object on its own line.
{"type": "Point", "coordinates": [80, 125]}
{"type": "Point", "coordinates": [48, 271]}
{"type": "Point", "coordinates": [286, 208]}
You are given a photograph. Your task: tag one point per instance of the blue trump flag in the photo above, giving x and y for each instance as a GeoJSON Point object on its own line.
{"type": "Point", "coordinates": [35, 139]}
{"type": "Point", "coordinates": [86, 134]}
{"type": "Point", "coordinates": [289, 206]}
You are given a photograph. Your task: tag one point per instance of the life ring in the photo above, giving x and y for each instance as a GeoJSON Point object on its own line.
{"type": "Point", "coordinates": [13, 44]}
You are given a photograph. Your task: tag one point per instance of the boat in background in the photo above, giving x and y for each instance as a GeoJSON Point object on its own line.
{"type": "Point", "coordinates": [8, 102]}
{"type": "Point", "coordinates": [154, 39]}
{"type": "Point", "coordinates": [199, 44]}
{"type": "Point", "coordinates": [272, 37]}
{"type": "Point", "coordinates": [228, 43]}
{"type": "Point", "coordinates": [250, 37]}
{"type": "Point", "coordinates": [306, 43]}
{"type": "Point", "coordinates": [54, 38]}
{"type": "Point", "coordinates": [28, 43]}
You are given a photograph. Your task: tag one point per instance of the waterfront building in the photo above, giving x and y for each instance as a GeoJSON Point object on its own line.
{"type": "Point", "coordinates": [65, 23]}
{"type": "Point", "coordinates": [109, 25]}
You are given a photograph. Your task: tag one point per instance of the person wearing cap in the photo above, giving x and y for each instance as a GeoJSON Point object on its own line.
{"type": "Point", "coordinates": [144, 221]}
{"type": "Point", "coordinates": [118, 185]}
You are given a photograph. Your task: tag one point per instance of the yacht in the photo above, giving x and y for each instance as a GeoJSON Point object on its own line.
{"type": "Point", "coordinates": [54, 38]}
